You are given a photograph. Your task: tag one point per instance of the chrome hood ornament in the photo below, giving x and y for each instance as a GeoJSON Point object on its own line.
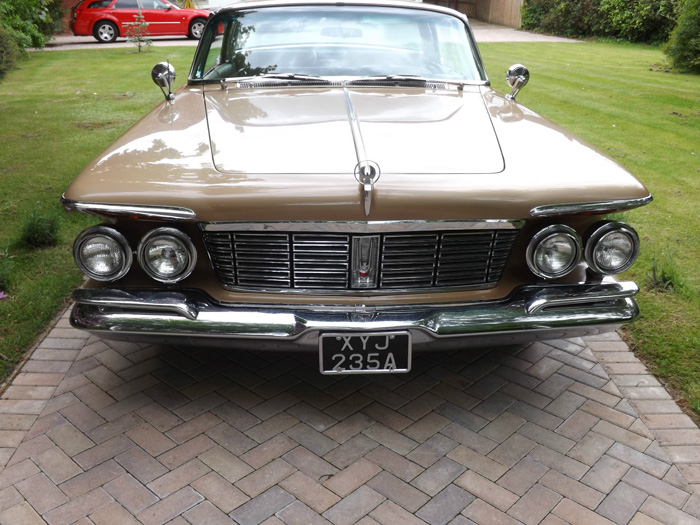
{"type": "Point", "coordinates": [367, 173]}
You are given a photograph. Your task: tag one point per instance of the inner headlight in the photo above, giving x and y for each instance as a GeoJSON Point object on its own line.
{"type": "Point", "coordinates": [102, 253]}
{"type": "Point", "coordinates": [611, 248]}
{"type": "Point", "coordinates": [167, 255]}
{"type": "Point", "coordinates": [554, 252]}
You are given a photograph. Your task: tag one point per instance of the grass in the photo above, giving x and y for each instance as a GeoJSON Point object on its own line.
{"type": "Point", "coordinates": [57, 111]}
{"type": "Point", "coordinates": [62, 107]}
{"type": "Point", "coordinates": [623, 99]}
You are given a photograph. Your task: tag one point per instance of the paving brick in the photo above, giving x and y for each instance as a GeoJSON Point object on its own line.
{"type": "Point", "coordinates": [622, 503]}
{"type": "Point", "coordinates": [546, 437]}
{"type": "Point", "coordinates": [512, 450]}
{"type": "Point", "coordinates": [432, 450]}
{"type": "Point", "coordinates": [69, 439]}
{"type": "Point", "coordinates": [438, 476]}
{"type": "Point", "coordinates": [312, 416]}
{"type": "Point", "coordinates": [299, 514]}
{"type": "Point", "coordinates": [398, 491]}
{"type": "Point", "coordinates": [220, 492]}
{"type": "Point", "coordinates": [481, 512]}
{"type": "Point", "coordinates": [622, 436]}
{"type": "Point", "coordinates": [472, 460]}
{"type": "Point", "coordinates": [387, 416]}
{"type": "Point", "coordinates": [559, 462]}
{"type": "Point", "coordinates": [269, 451]}
{"type": "Point", "coordinates": [178, 478]}
{"type": "Point", "coordinates": [9, 497]}
{"type": "Point", "coordinates": [666, 513]}
{"type": "Point", "coordinates": [352, 477]}
{"type": "Point", "coordinates": [112, 514]}
{"type": "Point", "coordinates": [162, 419]}
{"type": "Point", "coordinates": [41, 493]}
{"type": "Point", "coordinates": [92, 479]}
{"type": "Point", "coordinates": [269, 428]}
{"type": "Point", "coordinates": [578, 425]}
{"type": "Point", "coordinates": [573, 513]}
{"type": "Point", "coordinates": [262, 479]}
{"type": "Point", "coordinates": [496, 404]}
{"type": "Point", "coordinates": [57, 465]}
{"type": "Point", "coordinates": [150, 439]}
{"type": "Point", "coordinates": [390, 438]}
{"type": "Point", "coordinates": [554, 386]}
{"type": "Point", "coordinates": [21, 514]}
{"type": "Point", "coordinates": [590, 448]}
{"type": "Point", "coordinates": [572, 489]}
{"type": "Point", "coordinates": [684, 453]}
{"type": "Point", "coordinates": [78, 508]}
{"type": "Point", "coordinates": [565, 404]}
{"type": "Point", "coordinates": [462, 416]}
{"type": "Point", "coordinates": [316, 496]}
{"type": "Point", "coordinates": [394, 463]}
{"type": "Point", "coordinates": [233, 440]}
{"type": "Point", "coordinates": [535, 415]}
{"type": "Point", "coordinates": [658, 488]}
{"type": "Point", "coordinates": [141, 465]}
{"type": "Point", "coordinates": [446, 505]}
{"type": "Point", "coordinates": [205, 512]}
{"type": "Point", "coordinates": [311, 439]}
{"type": "Point", "coordinates": [486, 490]}
{"type": "Point", "coordinates": [668, 422]}
{"type": "Point", "coordinates": [520, 478]}
{"type": "Point", "coordinates": [310, 464]}
{"type": "Point", "coordinates": [179, 433]}
{"type": "Point", "coordinates": [608, 414]}
{"type": "Point", "coordinates": [350, 451]}
{"type": "Point", "coordinates": [349, 427]}
{"type": "Point", "coordinates": [639, 460]}
{"type": "Point", "coordinates": [172, 506]}
{"type": "Point", "coordinates": [426, 427]}
{"type": "Point", "coordinates": [389, 513]}
{"type": "Point", "coordinates": [535, 505]}
{"type": "Point", "coordinates": [358, 504]}
{"type": "Point", "coordinates": [130, 493]}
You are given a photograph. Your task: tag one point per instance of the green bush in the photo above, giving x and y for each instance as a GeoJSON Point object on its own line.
{"type": "Point", "coordinates": [648, 21]}
{"type": "Point", "coordinates": [683, 48]}
{"type": "Point", "coordinates": [9, 52]}
{"type": "Point", "coordinates": [30, 22]}
{"type": "Point", "coordinates": [40, 228]}
{"type": "Point", "coordinates": [636, 20]}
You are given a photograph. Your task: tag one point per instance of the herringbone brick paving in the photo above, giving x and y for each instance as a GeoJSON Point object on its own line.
{"type": "Point", "coordinates": [567, 431]}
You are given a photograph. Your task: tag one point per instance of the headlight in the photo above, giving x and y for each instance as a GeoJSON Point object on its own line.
{"type": "Point", "coordinates": [554, 252]}
{"type": "Point", "coordinates": [167, 255]}
{"type": "Point", "coordinates": [611, 248]}
{"type": "Point", "coordinates": [102, 253]}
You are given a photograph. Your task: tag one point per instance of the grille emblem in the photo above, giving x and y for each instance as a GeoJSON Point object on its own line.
{"type": "Point", "coordinates": [367, 173]}
{"type": "Point", "coordinates": [365, 261]}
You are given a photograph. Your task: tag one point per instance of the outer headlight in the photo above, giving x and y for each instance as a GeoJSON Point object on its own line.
{"type": "Point", "coordinates": [102, 253]}
{"type": "Point", "coordinates": [167, 255]}
{"type": "Point", "coordinates": [554, 252]}
{"type": "Point", "coordinates": [611, 248]}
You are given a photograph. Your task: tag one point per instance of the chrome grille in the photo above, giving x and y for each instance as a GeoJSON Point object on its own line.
{"type": "Point", "coordinates": [321, 261]}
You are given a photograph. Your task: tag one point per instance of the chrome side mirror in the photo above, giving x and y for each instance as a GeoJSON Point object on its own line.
{"type": "Point", "coordinates": [163, 74]}
{"type": "Point", "coordinates": [516, 76]}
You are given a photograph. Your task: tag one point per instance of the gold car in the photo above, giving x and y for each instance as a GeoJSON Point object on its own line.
{"type": "Point", "coordinates": [342, 177]}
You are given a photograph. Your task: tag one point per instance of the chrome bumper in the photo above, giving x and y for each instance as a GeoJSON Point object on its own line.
{"type": "Point", "coordinates": [184, 317]}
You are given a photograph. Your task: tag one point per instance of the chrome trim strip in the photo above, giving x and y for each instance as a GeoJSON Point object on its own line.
{"type": "Point", "coordinates": [139, 210]}
{"type": "Point", "coordinates": [191, 313]}
{"type": "Point", "coordinates": [364, 226]}
{"type": "Point", "coordinates": [579, 208]}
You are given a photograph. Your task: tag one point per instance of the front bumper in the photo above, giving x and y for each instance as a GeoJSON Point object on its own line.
{"type": "Point", "coordinates": [190, 316]}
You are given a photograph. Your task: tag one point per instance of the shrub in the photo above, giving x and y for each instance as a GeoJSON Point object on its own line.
{"type": "Point", "coordinates": [683, 48]}
{"type": "Point", "coordinates": [30, 22]}
{"type": "Point", "coordinates": [648, 21]}
{"type": "Point", "coordinates": [636, 20]}
{"type": "Point", "coordinates": [573, 18]}
{"type": "Point", "coordinates": [9, 52]}
{"type": "Point", "coordinates": [40, 229]}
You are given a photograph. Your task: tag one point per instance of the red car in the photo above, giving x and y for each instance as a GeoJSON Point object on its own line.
{"type": "Point", "coordinates": [108, 19]}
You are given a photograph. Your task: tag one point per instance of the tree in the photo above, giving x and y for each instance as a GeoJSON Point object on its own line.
{"type": "Point", "coordinates": [30, 22]}
{"type": "Point", "coordinates": [684, 45]}
{"type": "Point", "coordinates": [137, 33]}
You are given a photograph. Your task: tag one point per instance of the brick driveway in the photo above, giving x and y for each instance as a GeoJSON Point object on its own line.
{"type": "Point", "coordinates": [112, 433]}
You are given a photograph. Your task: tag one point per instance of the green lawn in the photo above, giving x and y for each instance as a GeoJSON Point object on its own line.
{"type": "Point", "coordinates": [62, 107]}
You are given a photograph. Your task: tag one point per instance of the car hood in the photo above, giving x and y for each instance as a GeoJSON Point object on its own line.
{"type": "Point", "coordinates": [289, 155]}
{"type": "Point", "coordinates": [326, 131]}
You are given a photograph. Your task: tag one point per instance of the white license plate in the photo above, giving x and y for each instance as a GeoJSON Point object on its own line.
{"type": "Point", "coordinates": [365, 353]}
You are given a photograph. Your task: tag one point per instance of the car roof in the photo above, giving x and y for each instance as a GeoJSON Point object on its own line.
{"type": "Point", "coordinates": [249, 4]}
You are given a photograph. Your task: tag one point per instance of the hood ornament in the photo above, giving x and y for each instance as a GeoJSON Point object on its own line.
{"type": "Point", "coordinates": [367, 173]}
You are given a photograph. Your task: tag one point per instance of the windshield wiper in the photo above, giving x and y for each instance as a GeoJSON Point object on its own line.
{"type": "Point", "coordinates": [408, 78]}
{"type": "Point", "coordinates": [285, 76]}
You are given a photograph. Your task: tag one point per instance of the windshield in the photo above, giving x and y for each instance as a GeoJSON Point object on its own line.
{"type": "Point", "coordinates": [336, 41]}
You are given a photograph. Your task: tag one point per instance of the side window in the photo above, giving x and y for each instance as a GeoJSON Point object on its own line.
{"type": "Point", "coordinates": [126, 4]}
{"type": "Point", "coordinates": [100, 4]}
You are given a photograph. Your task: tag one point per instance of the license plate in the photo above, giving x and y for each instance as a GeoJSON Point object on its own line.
{"type": "Point", "coordinates": [365, 353]}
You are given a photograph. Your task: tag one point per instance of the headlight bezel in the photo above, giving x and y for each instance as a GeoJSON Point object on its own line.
{"type": "Point", "coordinates": [112, 234]}
{"type": "Point", "coordinates": [546, 234]}
{"type": "Point", "coordinates": [179, 237]}
{"type": "Point", "coordinates": [596, 235]}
